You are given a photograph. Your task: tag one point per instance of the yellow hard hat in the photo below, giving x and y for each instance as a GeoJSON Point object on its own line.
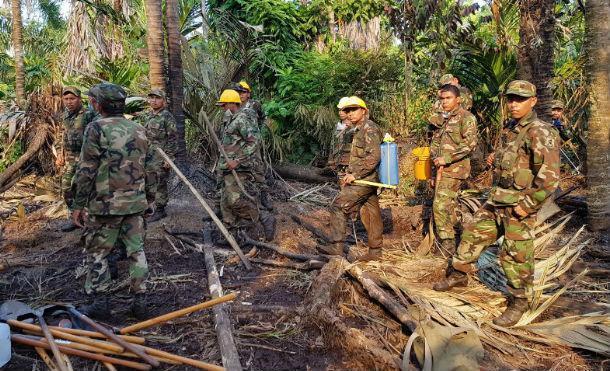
{"type": "Point", "coordinates": [342, 102]}
{"type": "Point", "coordinates": [229, 96]}
{"type": "Point", "coordinates": [354, 101]}
{"type": "Point", "coordinates": [245, 85]}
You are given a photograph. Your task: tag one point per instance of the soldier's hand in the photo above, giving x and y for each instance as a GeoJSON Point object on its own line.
{"type": "Point", "coordinates": [78, 218]}
{"type": "Point", "coordinates": [60, 161]}
{"type": "Point", "coordinates": [519, 212]}
{"type": "Point", "coordinates": [439, 161]}
{"type": "Point", "coordinates": [490, 159]}
{"type": "Point", "coordinates": [432, 182]}
{"type": "Point", "coordinates": [348, 179]}
{"type": "Point", "coordinates": [232, 164]}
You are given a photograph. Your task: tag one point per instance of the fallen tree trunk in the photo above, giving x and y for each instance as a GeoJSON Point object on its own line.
{"type": "Point", "coordinates": [305, 266]}
{"type": "Point", "coordinates": [38, 141]}
{"type": "Point", "coordinates": [307, 174]}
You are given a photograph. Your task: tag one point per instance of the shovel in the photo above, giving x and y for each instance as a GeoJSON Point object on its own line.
{"type": "Point", "coordinates": [426, 244]}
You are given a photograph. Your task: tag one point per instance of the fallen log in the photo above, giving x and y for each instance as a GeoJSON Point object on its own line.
{"type": "Point", "coordinates": [381, 296]}
{"type": "Point", "coordinates": [306, 266]}
{"type": "Point", "coordinates": [38, 141]}
{"type": "Point", "coordinates": [224, 333]}
{"type": "Point", "coordinates": [281, 251]}
{"type": "Point", "coordinates": [307, 174]}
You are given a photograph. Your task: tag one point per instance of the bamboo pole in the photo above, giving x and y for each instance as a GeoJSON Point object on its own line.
{"type": "Point", "coordinates": [178, 313]}
{"type": "Point", "coordinates": [207, 208]}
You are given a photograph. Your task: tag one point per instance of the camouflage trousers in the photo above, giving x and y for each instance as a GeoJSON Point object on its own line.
{"type": "Point", "coordinates": [101, 235]}
{"type": "Point", "coordinates": [162, 196]}
{"type": "Point", "coordinates": [351, 199]}
{"type": "Point", "coordinates": [239, 211]}
{"type": "Point", "coordinates": [68, 171]}
{"type": "Point", "coordinates": [517, 254]}
{"type": "Point", "coordinates": [444, 207]}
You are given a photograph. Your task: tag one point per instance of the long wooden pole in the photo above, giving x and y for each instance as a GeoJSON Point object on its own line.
{"type": "Point", "coordinates": [224, 334]}
{"type": "Point", "coordinates": [207, 208]}
{"type": "Point", "coordinates": [178, 313]}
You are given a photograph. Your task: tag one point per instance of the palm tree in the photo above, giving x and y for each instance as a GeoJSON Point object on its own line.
{"type": "Point", "coordinates": [598, 145]}
{"type": "Point", "coordinates": [154, 39]}
{"type": "Point", "coordinates": [535, 51]}
{"type": "Point", "coordinates": [18, 49]}
{"type": "Point", "coordinates": [174, 49]}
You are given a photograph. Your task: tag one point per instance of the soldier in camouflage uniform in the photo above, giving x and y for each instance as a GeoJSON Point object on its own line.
{"type": "Point", "coordinates": [338, 160]}
{"type": "Point", "coordinates": [115, 182]}
{"type": "Point", "coordinates": [465, 94]}
{"type": "Point", "coordinates": [241, 141]}
{"type": "Point", "coordinates": [557, 116]}
{"type": "Point", "coordinates": [364, 157]}
{"type": "Point", "coordinates": [527, 172]}
{"type": "Point", "coordinates": [75, 120]}
{"type": "Point", "coordinates": [160, 127]}
{"type": "Point", "coordinates": [452, 144]}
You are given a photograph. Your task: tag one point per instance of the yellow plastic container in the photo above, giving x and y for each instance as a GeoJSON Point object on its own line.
{"type": "Point", "coordinates": [422, 166]}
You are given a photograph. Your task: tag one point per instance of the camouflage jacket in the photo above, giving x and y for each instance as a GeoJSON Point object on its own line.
{"type": "Point", "coordinates": [342, 146]}
{"type": "Point", "coordinates": [74, 126]}
{"type": "Point", "coordinates": [241, 141]}
{"type": "Point", "coordinates": [115, 173]}
{"type": "Point", "coordinates": [258, 109]}
{"type": "Point", "coordinates": [454, 141]}
{"type": "Point", "coordinates": [365, 152]}
{"type": "Point", "coordinates": [527, 164]}
{"type": "Point", "coordinates": [466, 103]}
{"type": "Point", "coordinates": [161, 131]}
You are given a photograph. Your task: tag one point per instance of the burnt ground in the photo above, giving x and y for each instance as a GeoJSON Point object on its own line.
{"type": "Point", "coordinates": [40, 265]}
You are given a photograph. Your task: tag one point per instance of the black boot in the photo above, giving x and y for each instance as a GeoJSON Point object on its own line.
{"type": "Point", "coordinates": [68, 226]}
{"type": "Point", "coordinates": [139, 308]}
{"type": "Point", "coordinates": [113, 265]}
{"type": "Point", "coordinates": [454, 278]}
{"type": "Point", "coordinates": [268, 221]}
{"type": "Point", "coordinates": [513, 313]}
{"type": "Point", "coordinates": [158, 215]}
{"type": "Point", "coordinates": [99, 307]}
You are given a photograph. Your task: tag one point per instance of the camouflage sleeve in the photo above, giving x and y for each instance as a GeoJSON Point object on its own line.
{"type": "Point", "coordinates": [150, 167]}
{"type": "Point", "coordinates": [170, 127]}
{"type": "Point", "coordinates": [86, 171]}
{"type": "Point", "coordinates": [367, 163]}
{"type": "Point", "coordinates": [546, 162]}
{"type": "Point", "coordinates": [251, 136]}
{"type": "Point", "coordinates": [469, 133]}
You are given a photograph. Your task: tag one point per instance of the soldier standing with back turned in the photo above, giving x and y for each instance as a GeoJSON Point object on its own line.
{"type": "Point", "coordinates": [452, 143]}
{"type": "Point", "coordinates": [160, 127]}
{"type": "Point", "coordinates": [527, 172]}
{"type": "Point", "coordinates": [115, 184]}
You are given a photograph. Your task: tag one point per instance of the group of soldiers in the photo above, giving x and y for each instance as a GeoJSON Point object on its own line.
{"type": "Point", "coordinates": [112, 171]}
{"type": "Point", "coordinates": [114, 181]}
{"type": "Point", "coordinates": [526, 172]}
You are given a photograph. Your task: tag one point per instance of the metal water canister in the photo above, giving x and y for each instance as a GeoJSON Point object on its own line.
{"type": "Point", "coordinates": [388, 167]}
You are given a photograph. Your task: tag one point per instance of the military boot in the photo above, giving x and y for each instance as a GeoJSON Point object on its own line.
{"type": "Point", "coordinates": [332, 249]}
{"type": "Point", "coordinates": [139, 308]}
{"type": "Point", "coordinates": [268, 221]}
{"type": "Point", "coordinates": [113, 266]}
{"type": "Point", "coordinates": [454, 278]}
{"type": "Point", "coordinates": [372, 254]}
{"type": "Point", "coordinates": [99, 307]}
{"type": "Point", "coordinates": [513, 313]}
{"type": "Point", "coordinates": [68, 226]}
{"type": "Point", "coordinates": [158, 215]}
{"type": "Point", "coordinates": [448, 245]}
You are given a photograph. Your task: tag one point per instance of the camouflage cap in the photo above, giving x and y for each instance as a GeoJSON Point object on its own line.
{"type": "Point", "coordinates": [446, 79]}
{"type": "Point", "coordinates": [157, 93]}
{"type": "Point", "coordinates": [107, 91]}
{"type": "Point", "coordinates": [521, 88]}
{"type": "Point", "coordinates": [71, 90]}
{"type": "Point", "coordinates": [557, 104]}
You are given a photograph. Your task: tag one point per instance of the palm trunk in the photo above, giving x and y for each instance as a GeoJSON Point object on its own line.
{"type": "Point", "coordinates": [175, 73]}
{"type": "Point", "coordinates": [535, 52]}
{"type": "Point", "coordinates": [598, 143]}
{"type": "Point", "coordinates": [18, 48]}
{"type": "Point", "coordinates": [154, 39]}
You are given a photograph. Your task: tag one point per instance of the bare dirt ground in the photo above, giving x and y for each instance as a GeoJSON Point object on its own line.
{"type": "Point", "coordinates": [40, 265]}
